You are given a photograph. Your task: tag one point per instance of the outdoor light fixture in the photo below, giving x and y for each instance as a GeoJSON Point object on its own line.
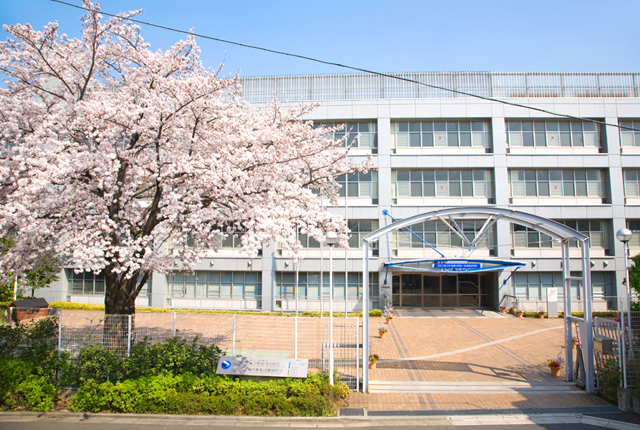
{"type": "Point", "coordinates": [624, 236]}
{"type": "Point", "coordinates": [331, 240]}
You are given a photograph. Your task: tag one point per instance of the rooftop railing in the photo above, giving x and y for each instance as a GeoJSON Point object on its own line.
{"type": "Point", "coordinates": [486, 84]}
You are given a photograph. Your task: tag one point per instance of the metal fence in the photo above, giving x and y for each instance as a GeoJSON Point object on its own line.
{"type": "Point", "coordinates": [487, 84]}
{"type": "Point", "coordinates": [244, 335]}
{"type": "Point", "coordinates": [598, 304]}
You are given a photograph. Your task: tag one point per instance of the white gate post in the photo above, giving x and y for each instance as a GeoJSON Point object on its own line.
{"type": "Point", "coordinates": [588, 319]}
{"type": "Point", "coordinates": [568, 330]}
{"type": "Point", "coordinates": [174, 323]}
{"type": "Point", "coordinates": [128, 334]}
{"type": "Point", "coordinates": [59, 329]}
{"type": "Point", "coordinates": [365, 317]}
{"type": "Point", "coordinates": [233, 344]}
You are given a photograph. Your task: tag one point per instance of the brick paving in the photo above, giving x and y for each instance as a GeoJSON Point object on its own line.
{"type": "Point", "coordinates": [521, 359]}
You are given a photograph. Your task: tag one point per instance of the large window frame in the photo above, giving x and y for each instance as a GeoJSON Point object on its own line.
{"type": "Point", "coordinates": [362, 134]}
{"type": "Point", "coordinates": [209, 284]}
{"type": "Point", "coordinates": [556, 134]}
{"type": "Point", "coordinates": [596, 230]}
{"type": "Point", "coordinates": [442, 183]}
{"type": "Point", "coordinates": [630, 138]}
{"type": "Point", "coordinates": [430, 134]}
{"type": "Point", "coordinates": [309, 285]}
{"type": "Point", "coordinates": [631, 182]}
{"type": "Point", "coordinates": [440, 235]}
{"type": "Point", "coordinates": [557, 183]}
{"type": "Point", "coordinates": [359, 185]}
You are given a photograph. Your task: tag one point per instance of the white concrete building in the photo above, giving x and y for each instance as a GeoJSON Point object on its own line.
{"type": "Point", "coordinates": [437, 149]}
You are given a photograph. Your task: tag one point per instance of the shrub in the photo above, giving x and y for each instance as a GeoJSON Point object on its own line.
{"type": "Point", "coordinates": [100, 364]}
{"type": "Point", "coordinates": [219, 395]}
{"type": "Point", "coordinates": [608, 372]}
{"type": "Point", "coordinates": [35, 394]}
{"type": "Point", "coordinates": [175, 356]}
{"type": "Point", "coordinates": [12, 373]}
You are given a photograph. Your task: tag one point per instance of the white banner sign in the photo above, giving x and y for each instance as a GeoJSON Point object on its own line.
{"type": "Point", "coordinates": [254, 366]}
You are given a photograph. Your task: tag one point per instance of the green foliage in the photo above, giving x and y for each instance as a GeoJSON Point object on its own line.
{"type": "Point", "coordinates": [634, 273]}
{"type": "Point", "coordinates": [12, 373]}
{"type": "Point", "coordinates": [34, 343]}
{"type": "Point", "coordinates": [609, 375]}
{"type": "Point", "coordinates": [217, 395]}
{"type": "Point", "coordinates": [175, 357]}
{"type": "Point", "coordinates": [100, 364]}
{"type": "Point", "coordinates": [87, 307]}
{"type": "Point", "coordinates": [35, 393]}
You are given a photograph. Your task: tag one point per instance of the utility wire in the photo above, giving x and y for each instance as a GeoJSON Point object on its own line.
{"type": "Point", "coordinates": [344, 66]}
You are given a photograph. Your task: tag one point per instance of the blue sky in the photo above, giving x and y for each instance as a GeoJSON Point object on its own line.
{"type": "Point", "coordinates": [385, 36]}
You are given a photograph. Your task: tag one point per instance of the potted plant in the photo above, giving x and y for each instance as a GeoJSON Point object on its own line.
{"type": "Point", "coordinates": [503, 309]}
{"type": "Point", "coordinates": [555, 364]}
{"type": "Point", "coordinates": [382, 332]}
{"type": "Point", "coordinates": [519, 313]}
{"type": "Point", "coordinates": [512, 310]}
{"type": "Point", "coordinates": [387, 314]}
{"type": "Point", "coordinates": [575, 341]}
{"type": "Point", "coordinates": [540, 314]}
{"type": "Point", "coordinates": [373, 359]}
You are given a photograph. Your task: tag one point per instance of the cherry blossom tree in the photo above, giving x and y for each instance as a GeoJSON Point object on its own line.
{"type": "Point", "coordinates": [129, 161]}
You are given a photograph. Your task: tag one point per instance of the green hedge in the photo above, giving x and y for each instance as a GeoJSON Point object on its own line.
{"type": "Point", "coordinates": [215, 395]}
{"type": "Point", "coordinates": [82, 306]}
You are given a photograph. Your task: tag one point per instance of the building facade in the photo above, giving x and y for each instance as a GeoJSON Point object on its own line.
{"type": "Point", "coordinates": [434, 149]}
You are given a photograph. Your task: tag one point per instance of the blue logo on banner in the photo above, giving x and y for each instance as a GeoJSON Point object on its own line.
{"type": "Point", "coordinates": [457, 266]}
{"type": "Point", "coordinates": [226, 364]}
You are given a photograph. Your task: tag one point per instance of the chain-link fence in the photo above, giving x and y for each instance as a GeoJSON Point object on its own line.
{"type": "Point", "coordinates": [245, 335]}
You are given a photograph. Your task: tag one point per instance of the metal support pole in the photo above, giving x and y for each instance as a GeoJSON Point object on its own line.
{"type": "Point", "coordinates": [331, 314]}
{"type": "Point", "coordinates": [174, 323]}
{"type": "Point", "coordinates": [365, 317]}
{"type": "Point", "coordinates": [357, 354]}
{"type": "Point", "coordinates": [626, 271]}
{"type": "Point", "coordinates": [296, 338]}
{"type": "Point", "coordinates": [59, 330]}
{"type": "Point", "coordinates": [233, 340]}
{"type": "Point", "coordinates": [128, 334]}
{"type": "Point", "coordinates": [15, 289]}
{"type": "Point", "coordinates": [588, 319]}
{"type": "Point", "coordinates": [568, 330]}
{"type": "Point", "coordinates": [346, 252]}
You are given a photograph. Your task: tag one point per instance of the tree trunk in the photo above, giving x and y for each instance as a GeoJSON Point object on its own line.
{"type": "Point", "coordinates": [119, 308]}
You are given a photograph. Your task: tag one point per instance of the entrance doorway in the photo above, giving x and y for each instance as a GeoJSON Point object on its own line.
{"type": "Point", "coordinates": [442, 290]}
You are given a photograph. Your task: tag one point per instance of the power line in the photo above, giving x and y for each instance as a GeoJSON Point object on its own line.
{"type": "Point", "coordinates": [344, 66]}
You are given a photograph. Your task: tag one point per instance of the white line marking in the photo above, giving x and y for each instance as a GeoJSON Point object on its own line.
{"type": "Point", "coordinates": [471, 348]}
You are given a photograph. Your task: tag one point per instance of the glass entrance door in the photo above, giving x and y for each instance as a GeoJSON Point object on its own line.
{"type": "Point", "coordinates": [437, 291]}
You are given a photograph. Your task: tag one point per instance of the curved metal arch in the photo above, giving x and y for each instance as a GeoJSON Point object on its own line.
{"type": "Point", "coordinates": [544, 225]}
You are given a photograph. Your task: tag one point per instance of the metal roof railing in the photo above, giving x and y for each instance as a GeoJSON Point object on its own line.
{"type": "Point", "coordinates": [487, 84]}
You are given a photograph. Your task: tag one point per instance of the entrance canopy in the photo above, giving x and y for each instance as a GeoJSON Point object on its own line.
{"type": "Point", "coordinates": [554, 229]}
{"type": "Point", "coordinates": [549, 227]}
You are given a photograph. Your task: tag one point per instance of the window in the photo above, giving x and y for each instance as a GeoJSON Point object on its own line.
{"type": "Point", "coordinates": [361, 134]}
{"type": "Point", "coordinates": [442, 183]}
{"type": "Point", "coordinates": [525, 237]}
{"type": "Point", "coordinates": [210, 284]}
{"type": "Point", "coordinates": [597, 230]}
{"type": "Point", "coordinates": [553, 134]}
{"type": "Point", "coordinates": [557, 183]}
{"type": "Point", "coordinates": [438, 234]}
{"type": "Point", "coordinates": [359, 185]}
{"type": "Point", "coordinates": [309, 285]}
{"type": "Point", "coordinates": [85, 282]}
{"type": "Point", "coordinates": [631, 183]}
{"type": "Point", "coordinates": [629, 137]}
{"type": "Point", "coordinates": [360, 229]}
{"type": "Point", "coordinates": [461, 134]}
{"type": "Point", "coordinates": [634, 226]}
{"type": "Point", "coordinates": [534, 285]}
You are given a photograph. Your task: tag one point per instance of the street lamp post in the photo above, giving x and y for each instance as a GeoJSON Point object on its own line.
{"type": "Point", "coordinates": [331, 240]}
{"type": "Point", "coordinates": [624, 236]}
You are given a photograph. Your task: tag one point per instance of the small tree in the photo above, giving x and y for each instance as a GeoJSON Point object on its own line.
{"type": "Point", "coordinates": [127, 161]}
{"type": "Point", "coordinates": [43, 273]}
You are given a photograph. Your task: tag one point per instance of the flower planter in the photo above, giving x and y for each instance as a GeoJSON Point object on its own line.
{"type": "Point", "coordinates": [540, 314]}
{"type": "Point", "coordinates": [382, 335]}
{"type": "Point", "coordinates": [574, 345]}
{"type": "Point", "coordinates": [389, 320]}
{"type": "Point", "coordinates": [519, 314]}
{"type": "Point", "coordinates": [372, 364]}
{"type": "Point", "coordinates": [503, 311]}
{"type": "Point", "coordinates": [555, 371]}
